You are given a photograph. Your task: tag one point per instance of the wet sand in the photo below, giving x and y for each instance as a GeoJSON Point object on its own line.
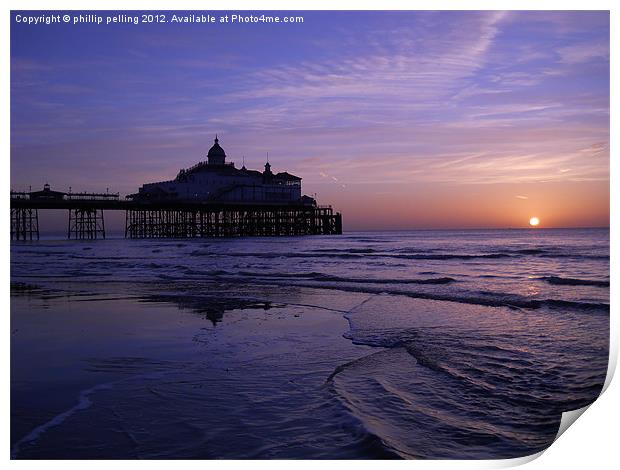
{"type": "Point", "coordinates": [116, 378]}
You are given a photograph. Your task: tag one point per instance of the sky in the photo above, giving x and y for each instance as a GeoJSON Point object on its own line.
{"type": "Point", "coordinates": [400, 120]}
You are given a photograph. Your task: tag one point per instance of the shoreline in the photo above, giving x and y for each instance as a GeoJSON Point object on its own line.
{"type": "Point", "coordinates": [316, 347]}
{"type": "Point", "coordinates": [179, 339]}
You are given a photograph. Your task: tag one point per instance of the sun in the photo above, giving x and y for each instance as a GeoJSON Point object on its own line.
{"type": "Point", "coordinates": [534, 221]}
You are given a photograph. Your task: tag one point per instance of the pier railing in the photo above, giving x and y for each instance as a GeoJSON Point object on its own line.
{"type": "Point", "coordinates": [92, 196]}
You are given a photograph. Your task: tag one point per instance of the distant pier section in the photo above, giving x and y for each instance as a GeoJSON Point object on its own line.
{"type": "Point", "coordinates": [210, 199]}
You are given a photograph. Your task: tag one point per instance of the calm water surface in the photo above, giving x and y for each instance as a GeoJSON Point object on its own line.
{"type": "Point", "coordinates": [426, 344]}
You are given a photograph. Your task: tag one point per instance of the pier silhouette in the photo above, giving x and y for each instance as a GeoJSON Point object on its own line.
{"type": "Point", "coordinates": [170, 219]}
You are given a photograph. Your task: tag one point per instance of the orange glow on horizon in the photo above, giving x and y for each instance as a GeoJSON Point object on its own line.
{"type": "Point", "coordinates": [443, 206]}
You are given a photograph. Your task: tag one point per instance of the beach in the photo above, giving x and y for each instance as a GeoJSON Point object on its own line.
{"type": "Point", "coordinates": [423, 344]}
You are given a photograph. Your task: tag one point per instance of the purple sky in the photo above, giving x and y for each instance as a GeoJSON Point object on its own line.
{"type": "Point", "coordinates": [399, 119]}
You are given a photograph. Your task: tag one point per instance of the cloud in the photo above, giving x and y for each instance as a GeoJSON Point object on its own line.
{"type": "Point", "coordinates": [412, 70]}
{"type": "Point", "coordinates": [584, 53]}
{"type": "Point", "coordinates": [452, 97]}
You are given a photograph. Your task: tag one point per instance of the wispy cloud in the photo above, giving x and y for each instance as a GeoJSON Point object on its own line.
{"type": "Point", "coordinates": [583, 53]}
{"type": "Point", "coordinates": [427, 97]}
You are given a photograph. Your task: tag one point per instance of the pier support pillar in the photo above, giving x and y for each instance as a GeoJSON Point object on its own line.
{"type": "Point", "coordinates": [24, 224]}
{"type": "Point", "coordinates": [241, 221]}
{"type": "Point", "coordinates": [86, 224]}
{"type": "Point", "coordinates": [338, 224]}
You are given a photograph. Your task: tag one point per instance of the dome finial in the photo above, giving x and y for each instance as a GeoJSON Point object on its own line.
{"type": "Point", "coordinates": [216, 155]}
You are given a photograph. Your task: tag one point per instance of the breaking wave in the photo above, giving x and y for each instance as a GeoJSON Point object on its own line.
{"type": "Point", "coordinates": [570, 281]}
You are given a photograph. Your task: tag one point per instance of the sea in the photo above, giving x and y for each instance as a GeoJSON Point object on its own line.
{"type": "Point", "coordinates": [369, 345]}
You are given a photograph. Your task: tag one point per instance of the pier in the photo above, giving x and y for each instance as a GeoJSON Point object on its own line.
{"type": "Point", "coordinates": [170, 219]}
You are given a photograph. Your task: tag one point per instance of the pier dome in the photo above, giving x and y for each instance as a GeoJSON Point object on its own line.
{"type": "Point", "coordinates": [216, 155]}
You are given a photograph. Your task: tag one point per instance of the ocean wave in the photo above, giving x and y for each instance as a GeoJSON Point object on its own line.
{"type": "Point", "coordinates": [369, 240]}
{"type": "Point", "coordinates": [370, 285]}
{"type": "Point", "coordinates": [402, 254]}
{"type": "Point", "coordinates": [317, 280]}
{"type": "Point", "coordinates": [489, 299]}
{"type": "Point", "coordinates": [312, 276]}
{"type": "Point", "coordinates": [574, 256]}
{"type": "Point", "coordinates": [132, 367]}
{"type": "Point", "coordinates": [420, 417]}
{"type": "Point", "coordinates": [454, 256]}
{"type": "Point", "coordinates": [531, 251]}
{"type": "Point", "coordinates": [392, 286]}
{"type": "Point", "coordinates": [83, 402]}
{"type": "Point", "coordinates": [570, 281]}
{"type": "Point", "coordinates": [348, 250]}
{"type": "Point", "coordinates": [499, 370]}
{"type": "Point", "coordinates": [331, 278]}
{"type": "Point", "coordinates": [351, 254]}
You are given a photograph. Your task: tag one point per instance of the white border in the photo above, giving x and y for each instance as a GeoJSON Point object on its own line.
{"type": "Point", "coordinates": [591, 443]}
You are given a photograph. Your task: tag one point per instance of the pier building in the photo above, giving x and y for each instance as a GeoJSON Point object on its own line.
{"type": "Point", "coordinates": [217, 180]}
